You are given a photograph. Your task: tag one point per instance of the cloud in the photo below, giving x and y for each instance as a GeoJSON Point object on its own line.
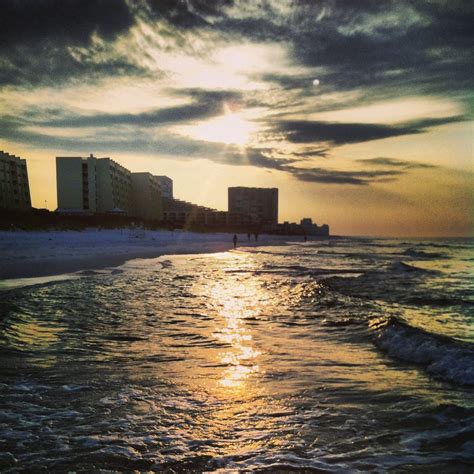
{"type": "Point", "coordinates": [400, 47]}
{"type": "Point", "coordinates": [313, 152]}
{"type": "Point", "coordinates": [299, 131]}
{"type": "Point", "coordinates": [37, 38]}
{"type": "Point", "coordinates": [263, 158]}
{"type": "Point", "coordinates": [336, 133]}
{"type": "Point", "coordinates": [126, 138]}
{"type": "Point", "coordinates": [394, 49]}
{"type": "Point", "coordinates": [201, 55]}
{"type": "Point", "coordinates": [170, 115]}
{"type": "Point", "coordinates": [189, 14]}
{"type": "Point", "coordinates": [327, 176]}
{"type": "Point", "coordinates": [67, 22]}
{"type": "Point", "coordinates": [394, 163]}
{"type": "Point", "coordinates": [202, 105]}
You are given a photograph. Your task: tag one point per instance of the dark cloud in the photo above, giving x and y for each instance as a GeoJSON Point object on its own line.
{"type": "Point", "coordinates": [361, 44]}
{"type": "Point", "coordinates": [263, 158]}
{"type": "Point", "coordinates": [399, 45]}
{"type": "Point", "coordinates": [48, 64]}
{"type": "Point", "coordinates": [185, 14]}
{"type": "Point", "coordinates": [394, 163]}
{"type": "Point", "coordinates": [152, 118]}
{"type": "Point", "coordinates": [359, 178]}
{"type": "Point", "coordinates": [299, 131]}
{"type": "Point", "coordinates": [35, 37]}
{"type": "Point", "coordinates": [338, 133]}
{"type": "Point", "coordinates": [70, 22]}
{"type": "Point", "coordinates": [291, 82]}
{"type": "Point", "coordinates": [313, 152]}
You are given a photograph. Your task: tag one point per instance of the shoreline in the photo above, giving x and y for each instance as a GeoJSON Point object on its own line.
{"type": "Point", "coordinates": [52, 267]}
{"type": "Point", "coordinates": [54, 255]}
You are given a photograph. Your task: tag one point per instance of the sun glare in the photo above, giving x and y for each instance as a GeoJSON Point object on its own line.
{"type": "Point", "coordinates": [232, 128]}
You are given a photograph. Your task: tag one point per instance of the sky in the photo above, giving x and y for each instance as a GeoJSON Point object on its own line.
{"type": "Point", "coordinates": [360, 112]}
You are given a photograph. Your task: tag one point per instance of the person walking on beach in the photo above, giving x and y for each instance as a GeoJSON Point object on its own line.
{"type": "Point", "coordinates": [248, 236]}
{"type": "Point", "coordinates": [235, 240]}
{"type": "Point", "coordinates": [256, 236]}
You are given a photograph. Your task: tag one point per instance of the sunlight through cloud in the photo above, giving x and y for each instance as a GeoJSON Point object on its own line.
{"type": "Point", "coordinates": [232, 128]}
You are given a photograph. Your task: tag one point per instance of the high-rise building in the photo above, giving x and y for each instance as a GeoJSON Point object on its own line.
{"type": "Point", "coordinates": [14, 186]}
{"type": "Point", "coordinates": [76, 182]}
{"type": "Point", "coordinates": [309, 228]}
{"type": "Point", "coordinates": [101, 185]}
{"type": "Point", "coordinates": [93, 185]}
{"type": "Point", "coordinates": [147, 197]}
{"type": "Point", "coordinates": [114, 187]}
{"type": "Point", "coordinates": [253, 205]}
{"type": "Point", "coordinates": [166, 185]}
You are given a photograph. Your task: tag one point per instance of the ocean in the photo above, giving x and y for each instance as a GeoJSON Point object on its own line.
{"type": "Point", "coordinates": [338, 355]}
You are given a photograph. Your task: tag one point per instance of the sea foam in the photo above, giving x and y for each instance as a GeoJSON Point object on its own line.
{"type": "Point", "coordinates": [441, 356]}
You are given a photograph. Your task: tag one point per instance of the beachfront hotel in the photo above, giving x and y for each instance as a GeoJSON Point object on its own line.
{"type": "Point", "coordinates": [147, 196]}
{"type": "Point", "coordinates": [14, 186]}
{"type": "Point", "coordinates": [93, 185]}
{"type": "Point", "coordinates": [253, 205]}
{"type": "Point", "coordinates": [100, 185]}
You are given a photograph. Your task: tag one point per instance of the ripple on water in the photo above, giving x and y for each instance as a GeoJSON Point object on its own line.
{"type": "Point", "coordinates": [255, 360]}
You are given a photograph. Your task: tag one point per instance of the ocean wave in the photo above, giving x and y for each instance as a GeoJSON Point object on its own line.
{"type": "Point", "coordinates": [441, 356]}
{"type": "Point", "coordinates": [372, 282]}
{"type": "Point", "coordinates": [299, 268]}
{"type": "Point", "coordinates": [371, 255]}
{"type": "Point", "coordinates": [422, 254]}
{"type": "Point", "coordinates": [400, 266]}
{"type": "Point", "coordinates": [372, 242]}
{"type": "Point", "coordinates": [449, 245]}
{"type": "Point", "coordinates": [440, 301]}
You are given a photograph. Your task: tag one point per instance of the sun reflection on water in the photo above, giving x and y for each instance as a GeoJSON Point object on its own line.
{"type": "Point", "coordinates": [235, 301]}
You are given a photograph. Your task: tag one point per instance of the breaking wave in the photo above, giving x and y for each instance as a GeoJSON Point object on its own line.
{"type": "Point", "coordinates": [441, 356]}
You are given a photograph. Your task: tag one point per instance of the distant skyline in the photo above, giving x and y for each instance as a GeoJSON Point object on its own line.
{"type": "Point", "coordinates": [359, 112]}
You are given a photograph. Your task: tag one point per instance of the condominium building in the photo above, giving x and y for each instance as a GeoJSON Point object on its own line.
{"type": "Point", "coordinates": [14, 187]}
{"type": "Point", "coordinates": [183, 213]}
{"type": "Point", "coordinates": [309, 228]}
{"type": "Point", "coordinates": [93, 185]}
{"type": "Point", "coordinates": [253, 205]}
{"type": "Point", "coordinates": [147, 200]}
{"type": "Point", "coordinates": [114, 187]}
{"type": "Point", "coordinates": [76, 181]}
{"type": "Point", "coordinates": [101, 185]}
{"type": "Point", "coordinates": [166, 186]}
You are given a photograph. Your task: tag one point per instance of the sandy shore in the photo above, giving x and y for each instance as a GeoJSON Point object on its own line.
{"type": "Point", "coordinates": [35, 254]}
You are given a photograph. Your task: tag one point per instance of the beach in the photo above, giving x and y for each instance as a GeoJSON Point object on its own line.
{"type": "Point", "coordinates": [45, 253]}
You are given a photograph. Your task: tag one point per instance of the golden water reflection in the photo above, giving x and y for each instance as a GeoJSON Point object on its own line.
{"type": "Point", "coordinates": [36, 337]}
{"type": "Point", "coordinates": [236, 301]}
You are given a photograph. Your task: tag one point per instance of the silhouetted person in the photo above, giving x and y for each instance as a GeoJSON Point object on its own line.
{"type": "Point", "coordinates": [248, 236]}
{"type": "Point", "coordinates": [305, 238]}
{"type": "Point", "coordinates": [256, 236]}
{"type": "Point", "coordinates": [235, 240]}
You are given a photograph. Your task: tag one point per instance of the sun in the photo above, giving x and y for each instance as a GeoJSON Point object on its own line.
{"type": "Point", "coordinates": [232, 128]}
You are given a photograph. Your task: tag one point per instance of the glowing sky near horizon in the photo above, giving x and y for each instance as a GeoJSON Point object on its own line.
{"type": "Point", "coordinates": [360, 115]}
